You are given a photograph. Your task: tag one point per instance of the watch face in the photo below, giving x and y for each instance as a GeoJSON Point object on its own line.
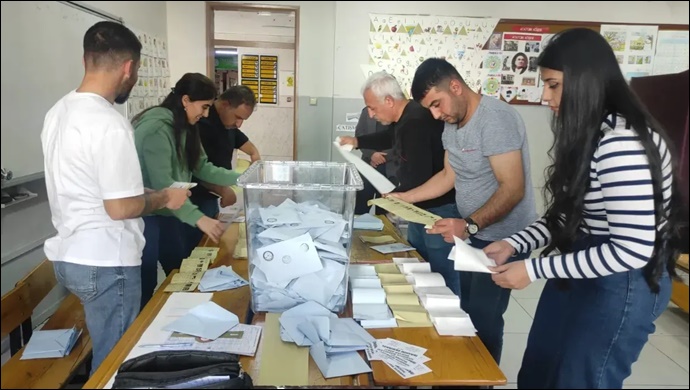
{"type": "Point", "coordinates": [473, 229]}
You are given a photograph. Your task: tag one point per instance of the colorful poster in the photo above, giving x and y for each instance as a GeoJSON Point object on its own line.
{"type": "Point", "coordinates": [519, 64]}
{"type": "Point", "coordinates": [634, 47]}
{"type": "Point", "coordinates": [399, 43]}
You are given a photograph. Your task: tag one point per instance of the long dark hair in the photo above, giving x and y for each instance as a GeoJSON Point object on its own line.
{"type": "Point", "coordinates": [197, 87]}
{"type": "Point", "coordinates": [593, 88]}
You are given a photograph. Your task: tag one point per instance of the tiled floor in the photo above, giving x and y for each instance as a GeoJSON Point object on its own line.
{"type": "Point", "coordinates": [663, 364]}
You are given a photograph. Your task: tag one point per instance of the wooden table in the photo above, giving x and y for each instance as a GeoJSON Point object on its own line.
{"type": "Point", "coordinates": [455, 361]}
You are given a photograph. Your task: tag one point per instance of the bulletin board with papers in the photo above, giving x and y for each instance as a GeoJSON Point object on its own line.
{"type": "Point", "coordinates": [153, 84]}
{"type": "Point", "coordinates": [498, 57]}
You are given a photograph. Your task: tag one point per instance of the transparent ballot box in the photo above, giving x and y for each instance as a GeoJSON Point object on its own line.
{"type": "Point", "coordinates": [299, 232]}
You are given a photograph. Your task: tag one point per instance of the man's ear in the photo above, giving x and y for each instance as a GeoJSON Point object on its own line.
{"type": "Point", "coordinates": [455, 87]}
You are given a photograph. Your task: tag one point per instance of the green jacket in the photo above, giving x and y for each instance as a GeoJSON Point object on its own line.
{"type": "Point", "coordinates": [160, 165]}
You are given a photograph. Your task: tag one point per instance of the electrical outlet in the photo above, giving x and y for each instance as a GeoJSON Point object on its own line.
{"type": "Point", "coordinates": [313, 101]}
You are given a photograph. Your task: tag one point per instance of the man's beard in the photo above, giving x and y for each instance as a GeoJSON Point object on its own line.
{"type": "Point", "coordinates": [123, 96]}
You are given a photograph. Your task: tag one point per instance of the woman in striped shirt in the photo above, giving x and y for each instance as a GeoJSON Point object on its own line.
{"type": "Point", "coordinates": [610, 230]}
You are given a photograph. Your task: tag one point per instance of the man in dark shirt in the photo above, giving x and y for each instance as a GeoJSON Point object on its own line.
{"type": "Point", "coordinates": [415, 138]}
{"type": "Point", "coordinates": [220, 135]}
{"type": "Point", "coordinates": [381, 160]}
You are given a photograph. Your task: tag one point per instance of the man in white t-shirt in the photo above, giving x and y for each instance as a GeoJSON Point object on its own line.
{"type": "Point", "coordinates": [95, 189]}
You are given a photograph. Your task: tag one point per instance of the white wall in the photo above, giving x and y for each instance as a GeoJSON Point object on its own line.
{"type": "Point", "coordinates": [255, 26]}
{"type": "Point", "coordinates": [148, 16]}
{"type": "Point", "coordinates": [187, 45]}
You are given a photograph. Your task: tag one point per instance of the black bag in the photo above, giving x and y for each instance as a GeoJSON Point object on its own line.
{"type": "Point", "coordinates": [182, 370]}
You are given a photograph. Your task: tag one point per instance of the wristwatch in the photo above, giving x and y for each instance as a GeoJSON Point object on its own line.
{"type": "Point", "coordinates": [472, 228]}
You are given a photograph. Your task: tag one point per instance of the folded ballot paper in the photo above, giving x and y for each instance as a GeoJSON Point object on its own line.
{"type": "Point", "coordinates": [333, 341]}
{"type": "Point", "coordinates": [221, 278]}
{"type": "Point", "coordinates": [45, 344]}
{"type": "Point", "coordinates": [299, 255]}
{"type": "Point", "coordinates": [367, 222]}
{"type": "Point", "coordinates": [470, 259]}
{"type": "Point", "coordinates": [207, 320]}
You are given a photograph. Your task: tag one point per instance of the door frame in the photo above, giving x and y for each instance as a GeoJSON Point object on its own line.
{"type": "Point", "coordinates": [212, 7]}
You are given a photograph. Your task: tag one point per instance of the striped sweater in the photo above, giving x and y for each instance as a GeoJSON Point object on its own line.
{"type": "Point", "coordinates": [619, 204]}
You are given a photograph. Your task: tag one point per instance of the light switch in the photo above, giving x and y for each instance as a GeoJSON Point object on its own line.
{"type": "Point", "coordinates": [312, 101]}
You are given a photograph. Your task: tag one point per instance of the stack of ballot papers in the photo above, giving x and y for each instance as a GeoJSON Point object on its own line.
{"type": "Point", "coordinates": [241, 340]}
{"type": "Point", "coordinates": [207, 321]}
{"type": "Point", "coordinates": [405, 359]}
{"type": "Point", "coordinates": [470, 259]}
{"type": "Point", "coordinates": [333, 342]}
{"type": "Point", "coordinates": [367, 222]}
{"type": "Point", "coordinates": [298, 253]}
{"type": "Point", "coordinates": [45, 344]}
{"type": "Point", "coordinates": [221, 278]}
{"type": "Point", "coordinates": [192, 270]}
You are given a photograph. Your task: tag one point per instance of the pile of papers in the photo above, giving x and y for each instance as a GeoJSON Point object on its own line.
{"type": "Point", "coordinates": [333, 341]}
{"type": "Point", "coordinates": [207, 321]}
{"type": "Point", "coordinates": [221, 278]}
{"type": "Point", "coordinates": [367, 222]}
{"type": "Point", "coordinates": [470, 259]}
{"type": "Point", "coordinates": [406, 293]}
{"type": "Point", "coordinates": [298, 255]}
{"type": "Point", "coordinates": [192, 270]}
{"type": "Point", "coordinates": [405, 359]}
{"type": "Point", "coordinates": [45, 344]}
{"type": "Point", "coordinates": [241, 340]}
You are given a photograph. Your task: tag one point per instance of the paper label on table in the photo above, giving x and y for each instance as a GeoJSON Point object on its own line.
{"type": "Point", "coordinates": [404, 210]}
{"type": "Point", "coordinates": [406, 373]}
{"type": "Point", "coordinates": [470, 259]}
{"type": "Point", "coordinates": [377, 180]}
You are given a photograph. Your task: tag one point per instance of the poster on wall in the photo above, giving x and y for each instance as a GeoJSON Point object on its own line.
{"type": "Point", "coordinates": [519, 72]}
{"type": "Point", "coordinates": [634, 47]}
{"type": "Point", "coordinates": [399, 43]}
{"type": "Point", "coordinates": [672, 52]}
{"type": "Point", "coordinates": [153, 84]}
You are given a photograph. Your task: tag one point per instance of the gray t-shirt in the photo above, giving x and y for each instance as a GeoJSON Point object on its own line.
{"type": "Point", "coordinates": [495, 128]}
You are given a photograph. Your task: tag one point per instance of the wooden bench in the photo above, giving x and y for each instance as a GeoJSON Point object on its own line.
{"type": "Point", "coordinates": [17, 307]}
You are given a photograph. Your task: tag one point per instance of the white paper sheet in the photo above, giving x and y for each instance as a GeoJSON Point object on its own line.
{"type": "Point", "coordinates": [470, 259]}
{"type": "Point", "coordinates": [380, 182]}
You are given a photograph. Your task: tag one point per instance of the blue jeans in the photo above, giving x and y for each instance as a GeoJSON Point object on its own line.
{"type": "Point", "coordinates": [110, 296]}
{"type": "Point", "coordinates": [486, 303]}
{"type": "Point", "coordinates": [208, 206]}
{"type": "Point", "coordinates": [167, 243]}
{"type": "Point", "coordinates": [434, 249]}
{"type": "Point", "coordinates": [587, 333]}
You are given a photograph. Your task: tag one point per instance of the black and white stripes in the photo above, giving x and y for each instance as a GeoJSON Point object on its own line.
{"type": "Point", "coordinates": [619, 204]}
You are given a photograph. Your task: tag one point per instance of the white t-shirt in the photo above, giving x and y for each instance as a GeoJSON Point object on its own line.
{"type": "Point", "coordinates": [90, 157]}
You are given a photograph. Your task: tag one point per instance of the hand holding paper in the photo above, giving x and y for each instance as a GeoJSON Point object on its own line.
{"type": "Point", "coordinates": [406, 211]}
{"type": "Point", "coordinates": [470, 259]}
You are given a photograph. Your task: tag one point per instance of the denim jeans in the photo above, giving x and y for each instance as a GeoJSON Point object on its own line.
{"type": "Point", "coordinates": [110, 296]}
{"type": "Point", "coordinates": [207, 205]}
{"type": "Point", "coordinates": [486, 303]}
{"type": "Point", "coordinates": [587, 333]}
{"type": "Point", "coordinates": [434, 249]}
{"type": "Point", "coordinates": [167, 243]}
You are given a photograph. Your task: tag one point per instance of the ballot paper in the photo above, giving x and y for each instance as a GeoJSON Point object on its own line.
{"type": "Point", "coordinates": [45, 344]}
{"type": "Point", "coordinates": [208, 321]}
{"type": "Point", "coordinates": [406, 211]}
{"type": "Point", "coordinates": [179, 184]}
{"type": "Point", "coordinates": [367, 222]}
{"type": "Point", "coordinates": [241, 340]}
{"type": "Point", "coordinates": [392, 248]}
{"type": "Point", "coordinates": [377, 239]}
{"type": "Point", "coordinates": [405, 359]}
{"type": "Point", "coordinates": [377, 180]}
{"type": "Point", "coordinates": [221, 278]}
{"type": "Point", "coordinates": [470, 259]}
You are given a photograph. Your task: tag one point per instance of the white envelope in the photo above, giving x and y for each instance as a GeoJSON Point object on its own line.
{"type": "Point", "coordinates": [334, 233]}
{"type": "Point", "coordinates": [470, 259]}
{"type": "Point", "coordinates": [207, 320]}
{"type": "Point", "coordinates": [432, 279]}
{"type": "Point", "coordinates": [362, 270]}
{"type": "Point", "coordinates": [281, 233]}
{"type": "Point", "coordinates": [289, 259]}
{"type": "Point", "coordinates": [340, 364]}
{"type": "Point", "coordinates": [434, 301]}
{"type": "Point", "coordinates": [368, 295]}
{"type": "Point", "coordinates": [365, 283]}
{"type": "Point", "coordinates": [279, 216]}
{"type": "Point", "coordinates": [331, 247]}
{"type": "Point", "coordinates": [408, 268]}
{"type": "Point", "coordinates": [366, 311]}
{"type": "Point", "coordinates": [322, 285]}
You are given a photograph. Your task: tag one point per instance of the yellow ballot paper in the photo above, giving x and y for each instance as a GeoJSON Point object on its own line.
{"type": "Point", "coordinates": [387, 279]}
{"type": "Point", "coordinates": [386, 268]}
{"type": "Point", "coordinates": [406, 211]}
{"type": "Point", "coordinates": [398, 289]}
{"type": "Point", "coordinates": [186, 277]}
{"type": "Point", "coordinates": [377, 239]}
{"type": "Point", "coordinates": [402, 299]}
{"type": "Point", "coordinates": [181, 287]}
{"type": "Point", "coordinates": [411, 316]}
{"type": "Point", "coordinates": [191, 265]}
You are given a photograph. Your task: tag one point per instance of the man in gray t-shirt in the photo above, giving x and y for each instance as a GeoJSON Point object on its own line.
{"type": "Point", "coordinates": [487, 161]}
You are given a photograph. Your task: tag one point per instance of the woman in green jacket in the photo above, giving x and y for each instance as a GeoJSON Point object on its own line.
{"type": "Point", "coordinates": [169, 149]}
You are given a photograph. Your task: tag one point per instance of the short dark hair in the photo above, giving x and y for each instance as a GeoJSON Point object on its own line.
{"type": "Point", "coordinates": [431, 73]}
{"type": "Point", "coordinates": [109, 43]}
{"type": "Point", "coordinates": [238, 95]}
